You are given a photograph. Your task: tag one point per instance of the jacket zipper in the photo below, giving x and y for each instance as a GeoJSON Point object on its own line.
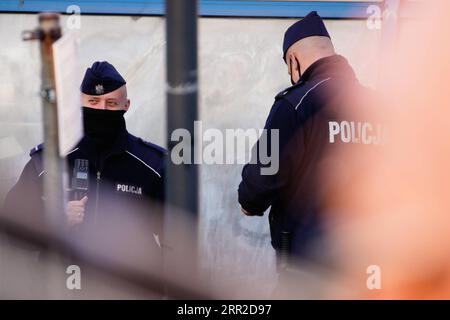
{"type": "Point", "coordinates": [96, 197]}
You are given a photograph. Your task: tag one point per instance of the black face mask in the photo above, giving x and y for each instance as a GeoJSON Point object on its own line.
{"type": "Point", "coordinates": [103, 126]}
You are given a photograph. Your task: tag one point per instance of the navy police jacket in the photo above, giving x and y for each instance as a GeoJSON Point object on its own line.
{"type": "Point", "coordinates": [314, 116]}
{"type": "Point", "coordinates": [127, 177]}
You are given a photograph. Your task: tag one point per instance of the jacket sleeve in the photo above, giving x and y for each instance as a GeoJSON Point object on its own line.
{"type": "Point", "coordinates": [23, 203]}
{"type": "Point", "coordinates": [257, 191]}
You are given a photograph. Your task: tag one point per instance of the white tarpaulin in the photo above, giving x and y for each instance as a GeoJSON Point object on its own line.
{"type": "Point", "coordinates": [68, 79]}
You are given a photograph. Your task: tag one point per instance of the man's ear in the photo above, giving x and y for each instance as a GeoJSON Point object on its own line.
{"type": "Point", "coordinates": [299, 68]}
{"type": "Point", "coordinates": [288, 63]}
{"type": "Point", "coordinates": [294, 68]}
{"type": "Point", "coordinates": [127, 105]}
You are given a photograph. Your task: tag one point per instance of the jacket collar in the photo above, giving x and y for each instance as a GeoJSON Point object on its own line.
{"type": "Point", "coordinates": [335, 66]}
{"type": "Point", "coordinates": [89, 147]}
{"type": "Point", "coordinates": [332, 66]}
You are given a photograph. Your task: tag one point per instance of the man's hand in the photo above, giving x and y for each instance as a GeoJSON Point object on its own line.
{"type": "Point", "coordinates": [75, 211]}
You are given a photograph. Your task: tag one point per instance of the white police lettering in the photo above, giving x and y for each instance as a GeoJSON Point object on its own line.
{"type": "Point", "coordinates": [356, 132]}
{"type": "Point", "coordinates": [129, 189]}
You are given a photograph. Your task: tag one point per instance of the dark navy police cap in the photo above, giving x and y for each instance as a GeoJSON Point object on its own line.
{"type": "Point", "coordinates": [311, 25]}
{"type": "Point", "coordinates": [101, 78]}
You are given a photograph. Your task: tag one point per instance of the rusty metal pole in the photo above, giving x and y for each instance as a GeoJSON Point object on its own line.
{"type": "Point", "coordinates": [47, 33]}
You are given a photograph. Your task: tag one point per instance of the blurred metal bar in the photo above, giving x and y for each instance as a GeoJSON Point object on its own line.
{"type": "Point", "coordinates": [50, 31]}
{"type": "Point", "coordinates": [57, 246]}
{"type": "Point", "coordinates": [47, 33]}
{"type": "Point", "coordinates": [182, 91]}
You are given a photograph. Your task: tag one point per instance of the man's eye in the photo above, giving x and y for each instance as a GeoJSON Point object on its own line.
{"type": "Point", "coordinates": [92, 101]}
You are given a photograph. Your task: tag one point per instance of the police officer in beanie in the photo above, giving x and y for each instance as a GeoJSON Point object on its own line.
{"type": "Point", "coordinates": [124, 173]}
{"type": "Point", "coordinates": [323, 84]}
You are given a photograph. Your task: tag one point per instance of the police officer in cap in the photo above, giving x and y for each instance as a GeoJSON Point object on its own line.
{"type": "Point", "coordinates": [125, 173]}
{"type": "Point", "coordinates": [321, 84]}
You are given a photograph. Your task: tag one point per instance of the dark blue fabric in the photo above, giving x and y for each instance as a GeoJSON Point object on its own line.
{"type": "Point", "coordinates": [311, 25]}
{"type": "Point", "coordinates": [129, 161]}
{"type": "Point", "coordinates": [101, 78]}
{"type": "Point", "coordinates": [293, 193]}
